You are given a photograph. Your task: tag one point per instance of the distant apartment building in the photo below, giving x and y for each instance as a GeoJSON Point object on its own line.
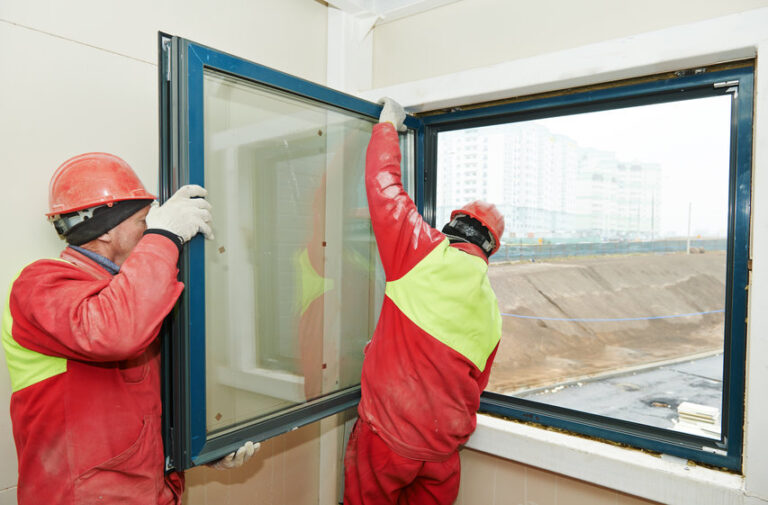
{"type": "Point", "coordinates": [548, 186]}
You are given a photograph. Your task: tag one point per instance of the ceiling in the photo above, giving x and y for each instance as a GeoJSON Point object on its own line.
{"type": "Point", "coordinates": [384, 11]}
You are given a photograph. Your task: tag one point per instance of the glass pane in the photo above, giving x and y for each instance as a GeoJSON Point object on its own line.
{"type": "Point", "coordinates": [611, 277]}
{"type": "Point", "coordinates": [291, 278]}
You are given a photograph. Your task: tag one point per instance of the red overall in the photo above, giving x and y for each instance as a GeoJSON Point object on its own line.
{"type": "Point", "coordinates": [84, 360]}
{"type": "Point", "coordinates": [426, 365]}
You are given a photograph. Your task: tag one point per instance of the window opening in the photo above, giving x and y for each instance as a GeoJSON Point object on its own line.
{"type": "Point", "coordinates": [622, 269]}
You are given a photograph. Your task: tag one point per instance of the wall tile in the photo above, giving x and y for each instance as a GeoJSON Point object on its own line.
{"type": "Point", "coordinates": [488, 479]}
{"type": "Point", "coordinates": [194, 493]}
{"type": "Point", "coordinates": [575, 492]}
{"type": "Point", "coordinates": [262, 482]}
{"type": "Point", "coordinates": [216, 487]}
{"type": "Point", "coordinates": [540, 487]}
{"type": "Point", "coordinates": [510, 483]}
{"type": "Point", "coordinates": [478, 477]}
{"type": "Point", "coordinates": [207, 486]}
{"type": "Point", "coordinates": [301, 465]}
{"type": "Point", "coordinates": [626, 499]}
{"type": "Point", "coordinates": [254, 481]}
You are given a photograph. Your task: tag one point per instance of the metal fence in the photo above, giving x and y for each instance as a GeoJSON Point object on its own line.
{"type": "Point", "coordinates": [527, 252]}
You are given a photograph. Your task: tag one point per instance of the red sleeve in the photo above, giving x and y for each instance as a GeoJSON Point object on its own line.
{"type": "Point", "coordinates": [402, 236]}
{"type": "Point", "coordinates": [60, 310]}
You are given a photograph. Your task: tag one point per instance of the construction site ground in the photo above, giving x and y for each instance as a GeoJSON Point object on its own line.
{"type": "Point", "coordinates": [546, 340]}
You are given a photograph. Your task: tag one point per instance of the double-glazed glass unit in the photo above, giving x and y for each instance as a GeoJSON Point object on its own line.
{"type": "Point", "coordinates": [621, 278]}
{"type": "Point", "coordinates": [270, 331]}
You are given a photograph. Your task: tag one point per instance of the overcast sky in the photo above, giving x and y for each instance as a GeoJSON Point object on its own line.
{"type": "Point", "coordinates": [689, 139]}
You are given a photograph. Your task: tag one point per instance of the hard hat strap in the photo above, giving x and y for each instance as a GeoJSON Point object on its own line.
{"type": "Point", "coordinates": [463, 228]}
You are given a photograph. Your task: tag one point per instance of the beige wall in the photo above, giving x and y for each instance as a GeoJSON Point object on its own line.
{"type": "Point", "coordinates": [491, 480]}
{"type": "Point", "coordinates": [285, 471]}
{"type": "Point", "coordinates": [279, 475]}
{"type": "Point", "coordinates": [81, 76]}
{"type": "Point", "coordinates": [476, 33]}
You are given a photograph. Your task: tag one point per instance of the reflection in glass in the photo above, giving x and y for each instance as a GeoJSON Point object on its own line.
{"type": "Point", "coordinates": [611, 279]}
{"type": "Point", "coordinates": [291, 278]}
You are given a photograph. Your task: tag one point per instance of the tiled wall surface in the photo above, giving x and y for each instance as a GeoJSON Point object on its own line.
{"type": "Point", "coordinates": [284, 471]}
{"type": "Point", "coordinates": [490, 480]}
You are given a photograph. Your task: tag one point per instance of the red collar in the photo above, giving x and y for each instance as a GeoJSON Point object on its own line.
{"type": "Point", "coordinates": [84, 263]}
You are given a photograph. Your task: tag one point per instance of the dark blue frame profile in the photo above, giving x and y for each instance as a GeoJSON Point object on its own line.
{"type": "Point", "coordinates": [737, 81]}
{"type": "Point", "coordinates": [182, 64]}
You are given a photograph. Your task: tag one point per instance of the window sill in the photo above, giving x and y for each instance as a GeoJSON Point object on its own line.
{"type": "Point", "coordinates": [666, 479]}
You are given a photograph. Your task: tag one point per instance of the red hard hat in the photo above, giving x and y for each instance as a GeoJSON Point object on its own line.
{"type": "Point", "coordinates": [93, 179]}
{"type": "Point", "coordinates": [488, 215]}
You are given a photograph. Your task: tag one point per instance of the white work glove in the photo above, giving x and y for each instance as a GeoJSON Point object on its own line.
{"type": "Point", "coordinates": [236, 459]}
{"type": "Point", "coordinates": [392, 112]}
{"type": "Point", "coordinates": [185, 214]}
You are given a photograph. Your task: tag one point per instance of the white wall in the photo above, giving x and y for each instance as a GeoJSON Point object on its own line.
{"type": "Point", "coordinates": [477, 33]}
{"type": "Point", "coordinates": [81, 75]}
{"type": "Point", "coordinates": [575, 61]}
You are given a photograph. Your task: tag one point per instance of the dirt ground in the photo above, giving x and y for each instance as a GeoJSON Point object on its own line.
{"type": "Point", "coordinates": [536, 352]}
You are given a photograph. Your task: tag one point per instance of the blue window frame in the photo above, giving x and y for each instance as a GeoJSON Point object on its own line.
{"type": "Point", "coordinates": [455, 132]}
{"type": "Point", "coordinates": [281, 158]}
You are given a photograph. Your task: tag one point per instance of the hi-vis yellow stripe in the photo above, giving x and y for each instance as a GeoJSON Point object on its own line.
{"type": "Point", "coordinates": [312, 285]}
{"type": "Point", "coordinates": [26, 367]}
{"type": "Point", "coordinates": [449, 296]}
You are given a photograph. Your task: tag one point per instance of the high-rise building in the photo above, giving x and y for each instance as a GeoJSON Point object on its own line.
{"type": "Point", "coordinates": [547, 185]}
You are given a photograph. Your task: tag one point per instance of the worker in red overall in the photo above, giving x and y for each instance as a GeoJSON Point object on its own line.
{"type": "Point", "coordinates": [432, 350]}
{"type": "Point", "coordinates": [80, 339]}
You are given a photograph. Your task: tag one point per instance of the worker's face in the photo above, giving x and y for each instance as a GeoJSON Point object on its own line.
{"type": "Point", "coordinates": [126, 235]}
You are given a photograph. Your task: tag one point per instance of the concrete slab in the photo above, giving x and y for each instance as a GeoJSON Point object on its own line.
{"type": "Point", "coordinates": [649, 396]}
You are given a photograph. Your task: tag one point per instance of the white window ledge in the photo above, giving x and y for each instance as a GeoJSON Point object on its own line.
{"type": "Point", "coordinates": [273, 383]}
{"type": "Point", "coordinates": [666, 479]}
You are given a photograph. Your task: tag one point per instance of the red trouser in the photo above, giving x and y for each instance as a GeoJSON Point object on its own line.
{"type": "Point", "coordinates": [375, 475]}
